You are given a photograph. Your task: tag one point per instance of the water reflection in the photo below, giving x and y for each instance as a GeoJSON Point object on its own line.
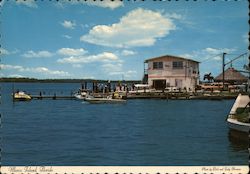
{"type": "Point", "coordinates": [239, 140]}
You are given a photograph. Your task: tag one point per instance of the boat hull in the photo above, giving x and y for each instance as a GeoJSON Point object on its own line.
{"type": "Point", "coordinates": [238, 126]}
{"type": "Point", "coordinates": [21, 97]}
{"type": "Point", "coordinates": [80, 97]}
{"type": "Point", "coordinates": [104, 100]}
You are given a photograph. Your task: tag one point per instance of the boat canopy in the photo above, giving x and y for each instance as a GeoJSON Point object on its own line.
{"type": "Point", "coordinates": [241, 102]}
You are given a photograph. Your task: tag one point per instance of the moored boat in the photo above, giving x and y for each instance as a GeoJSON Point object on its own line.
{"type": "Point", "coordinates": [104, 100]}
{"type": "Point", "coordinates": [21, 96]}
{"type": "Point", "coordinates": [238, 118]}
{"type": "Point", "coordinates": [81, 94]}
{"type": "Point", "coordinates": [115, 98]}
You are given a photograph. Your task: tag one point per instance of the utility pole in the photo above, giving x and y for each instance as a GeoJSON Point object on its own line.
{"type": "Point", "coordinates": [223, 70]}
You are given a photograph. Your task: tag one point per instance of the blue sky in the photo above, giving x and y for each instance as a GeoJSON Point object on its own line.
{"type": "Point", "coordinates": [110, 40]}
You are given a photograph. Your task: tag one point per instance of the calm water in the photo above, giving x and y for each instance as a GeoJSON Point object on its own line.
{"type": "Point", "coordinates": [140, 132]}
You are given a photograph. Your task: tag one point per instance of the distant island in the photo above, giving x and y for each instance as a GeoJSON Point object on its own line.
{"type": "Point", "coordinates": [34, 80]}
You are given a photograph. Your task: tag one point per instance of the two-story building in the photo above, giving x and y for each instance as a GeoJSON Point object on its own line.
{"type": "Point", "coordinates": [172, 71]}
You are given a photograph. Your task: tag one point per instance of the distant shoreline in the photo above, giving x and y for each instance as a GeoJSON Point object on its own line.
{"type": "Point", "coordinates": [33, 80]}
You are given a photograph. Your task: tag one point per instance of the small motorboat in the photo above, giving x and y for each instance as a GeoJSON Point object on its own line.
{"type": "Point", "coordinates": [239, 116]}
{"type": "Point", "coordinates": [21, 96]}
{"type": "Point", "coordinates": [81, 94]}
{"type": "Point", "coordinates": [115, 98]}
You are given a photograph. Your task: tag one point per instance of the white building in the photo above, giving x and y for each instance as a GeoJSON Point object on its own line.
{"type": "Point", "coordinates": [172, 71]}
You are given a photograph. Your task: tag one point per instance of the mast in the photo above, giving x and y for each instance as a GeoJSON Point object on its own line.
{"type": "Point", "coordinates": [223, 70]}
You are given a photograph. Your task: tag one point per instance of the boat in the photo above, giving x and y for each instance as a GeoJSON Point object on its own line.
{"type": "Point", "coordinates": [81, 94]}
{"type": "Point", "coordinates": [21, 96]}
{"type": "Point", "coordinates": [238, 118]}
{"type": "Point", "coordinates": [115, 98]}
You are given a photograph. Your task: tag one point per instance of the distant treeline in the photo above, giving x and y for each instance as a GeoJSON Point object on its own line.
{"type": "Point", "coordinates": [19, 80]}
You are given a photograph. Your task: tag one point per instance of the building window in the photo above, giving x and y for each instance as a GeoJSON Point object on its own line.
{"type": "Point", "coordinates": [157, 65]}
{"type": "Point", "coordinates": [178, 65]}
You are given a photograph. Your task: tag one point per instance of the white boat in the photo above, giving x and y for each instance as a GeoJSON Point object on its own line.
{"type": "Point", "coordinates": [110, 99]}
{"type": "Point", "coordinates": [238, 118]}
{"type": "Point", "coordinates": [104, 100]}
{"type": "Point", "coordinates": [81, 94]}
{"type": "Point", "coordinates": [21, 96]}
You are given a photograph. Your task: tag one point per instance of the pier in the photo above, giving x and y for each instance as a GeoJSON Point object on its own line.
{"type": "Point", "coordinates": [53, 97]}
{"type": "Point", "coordinates": [147, 95]}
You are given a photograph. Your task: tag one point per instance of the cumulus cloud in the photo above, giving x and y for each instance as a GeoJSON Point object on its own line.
{"type": "Point", "coordinates": [139, 27]}
{"type": "Point", "coordinates": [68, 24]}
{"type": "Point", "coordinates": [41, 70]}
{"type": "Point", "coordinates": [71, 51]}
{"type": "Point", "coordinates": [128, 53]}
{"type": "Point", "coordinates": [32, 54]}
{"type": "Point", "coordinates": [103, 57]}
{"type": "Point", "coordinates": [28, 3]}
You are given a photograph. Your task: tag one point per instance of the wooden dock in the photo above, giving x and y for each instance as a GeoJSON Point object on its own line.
{"type": "Point", "coordinates": [146, 95]}
{"type": "Point", "coordinates": [53, 97]}
{"type": "Point", "coordinates": [181, 96]}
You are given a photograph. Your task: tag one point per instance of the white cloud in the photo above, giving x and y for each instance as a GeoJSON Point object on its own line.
{"type": "Point", "coordinates": [68, 24]}
{"type": "Point", "coordinates": [105, 4]}
{"type": "Point", "coordinates": [41, 70]}
{"type": "Point", "coordinates": [88, 77]}
{"type": "Point", "coordinates": [4, 51]}
{"type": "Point", "coordinates": [103, 57]}
{"type": "Point", "coordinates": [32, 54]}
{"type": "Point", "coordinates": [66, 36]}
{"type": "Point", "coordinates": [117, 70]}
{"type": "Point", "coordinates": [188, 56]}
{"type": "Point", "coordinates": [47, 71]}
{"type": "Point", "coordinates": [217, 51]}
{"type": "Point", "coordinates": [110, 68]}
{"type": "Point", "coordinates": [128, 53]}
{"type": "Point", "coordinates": [174, 16]}
{"type": "Point", "coordinates": [11, 67]}
{"type": "Point", "coordinates": [16, 75]}
{"type": "Point", "coordinates": [208, 54]}
{"type": "Point", "coordinates": [126, 74]}
{"type": "Point", "coordinates": [130, 73]}
{"type": "Point", "coordinates": [71, 51]}
{"type": "Point", "coordinates": [137, 28]}
{"type": "Point", "coordinates": [28, 3]}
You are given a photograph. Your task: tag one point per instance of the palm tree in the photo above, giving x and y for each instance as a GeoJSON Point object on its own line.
{"type": "Point", "coordinates": [209, 77]}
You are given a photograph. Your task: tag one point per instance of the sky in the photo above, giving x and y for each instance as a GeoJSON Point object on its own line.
{"type": "Point", "coordinates": [109, 40]}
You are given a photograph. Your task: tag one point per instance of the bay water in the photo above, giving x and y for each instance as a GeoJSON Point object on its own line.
{"type": "Point", "coordinates": [145, 132]}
